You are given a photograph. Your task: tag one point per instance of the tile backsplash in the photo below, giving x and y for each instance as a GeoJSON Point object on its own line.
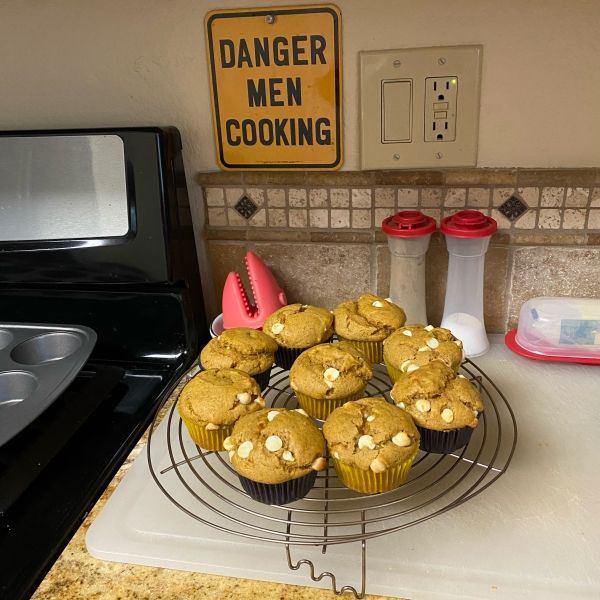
{"type": "Point", "coordinates": [321, 232]}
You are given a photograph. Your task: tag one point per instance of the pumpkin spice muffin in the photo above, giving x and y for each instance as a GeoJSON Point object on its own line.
{"type": "Point", "coordinates": [367, 322]}
{"type": "Point", "coordinates": [413, 346]}
{"type": "Point", "coordinates": [276, 454]}
{"type": "Point", "coordinates": [213, 400]}
{"type": "Point", "coordinates": [295, 328]}
{"type": "Point", "coordinates": [241, 348]}
{"type": "Point", "coordinates": [327, 375]}
{"type": "Point", "coordinates": [372, 444]}
{"type": "Point", "coordinates": [445, 407]}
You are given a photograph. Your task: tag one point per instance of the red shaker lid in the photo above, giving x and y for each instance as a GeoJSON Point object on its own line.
{"type": "Point", "coordinates": [409, 223]}
{"type": "Point", "coordinates": [468, 224]}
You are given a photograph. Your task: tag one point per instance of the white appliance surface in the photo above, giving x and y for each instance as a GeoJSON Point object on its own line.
{"type": "Point", "coordinates": [534, 533]}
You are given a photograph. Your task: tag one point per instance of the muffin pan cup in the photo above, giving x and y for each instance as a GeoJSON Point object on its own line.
{"type": "Point", "coordinates": [285, 357]}
{"type": "Point", "coordinates": [444, 442]}
{"type": "Point", "coordinates": [204, 438]}
{"type": "Point", "coordinates": [372, 350]}
{"type": "Point", "coordinates": [279, 493]}
{"type": "Point", "coordinates": [321, 409]}
{"type": "Point", "coordinates": [37, 363]}
{"type": "Point", "coordinates": [262, 378]}
{"type": "Point", "coordinates": [368, 482]}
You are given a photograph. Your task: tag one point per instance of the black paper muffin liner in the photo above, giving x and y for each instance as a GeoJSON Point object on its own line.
{"type": "Point", "coordinates": [262, 378]}
{"type": "Point", "coordinates": [279, 493]}
{"type": "Point", "coordinates": [444, 442]}
{"type": "Point", "coordinates": [285, 357]}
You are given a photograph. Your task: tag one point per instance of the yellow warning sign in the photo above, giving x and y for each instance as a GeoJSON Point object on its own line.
{"type": "Point", "coordinates": [276, 84]}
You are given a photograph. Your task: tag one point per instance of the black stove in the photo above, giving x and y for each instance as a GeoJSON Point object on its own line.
{"type": "Point", "coordinates": [130, 272]}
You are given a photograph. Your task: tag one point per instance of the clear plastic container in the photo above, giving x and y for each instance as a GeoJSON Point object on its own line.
{"type": "Point", "coordinates": [468, 236]}
{"type": "Point", "coordinates": [562, 328]}
{"type": "Point", "coordinates": [409, 232]}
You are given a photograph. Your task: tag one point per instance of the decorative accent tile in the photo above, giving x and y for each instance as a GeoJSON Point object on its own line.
{"type": "Point", "coordinates": [216, 217]}
{"type": "Point", "coordinates": [381, 214]}
{"type": "Point", "coordinates": [408, 197]}
{"type": "Point", "coordinates": [501, 195]}
{"type": "Point", "coordinates": [361, 198]}
{"type": "Point", "coordinates": [259, 219]}
{"type": "Point", "coordinates": [574, 218]}
{"type": "Point", "coordinates": [214, 197]}
{"type": "Point", "coordinates": [361, 219]}
{"type": "Point", "coordinates": [549, 218]}
{"type": "Point", "coordinates": [455, 197]}
{"type": "Point", "coordinates": [340, 198]}
{"type": "Point", "coordinates": [277, 217]}
{"type": "Point", "coordinates": [385, 196]}
{"type": "Point", "coordinates": [257, 196]}
{"type": "Point", "coordinates": [513, 208]}
{"type": "Point", "coordinates": [594, 219]}
{"type": "Point", "coordinates": [531, 195]}
{"type": "Point", "coordinates": [478, 197]}
{"type": "Point", "coordinates": [340, 219]}
{"type": "Point", "coordinates": [595, 197]}
{"type": "Point", "coordinates": [431, 197]}
{"type": "Point", "coordinates": [319, 217]}
{"type": "Point", "coordinates": [503, 222]}
{"type": "Point", "coordinates": [552, 196]}
{"type": "Point", "coordinates": [527, 220]}
{"type": "Point", "coordinates": [233, 195]}
{"type": "Point", "coordinates": [577, 196]}
{"type": "Point", "coordinates": [317, 198]}
{"type": "Point", "coordinates": [297, 198]}
{"type": "Point", "coordinates": [298, 218]}
{"type": "Point", "coordinates": [246, 207]}
{"type": "Point", "coordinates": [276, 197]}
{"type": "Point", "coordinates": [235, 219]}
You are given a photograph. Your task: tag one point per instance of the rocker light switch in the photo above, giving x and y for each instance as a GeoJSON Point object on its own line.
{"type": "Point", "coordinates": [396, 111]}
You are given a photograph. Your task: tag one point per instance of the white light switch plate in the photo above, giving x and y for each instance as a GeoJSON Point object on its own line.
{"type": "Point", "coordinates": [387, 110]}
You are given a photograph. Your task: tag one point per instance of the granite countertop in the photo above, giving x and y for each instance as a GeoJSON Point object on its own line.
{"type": "Point", "coordinates": [77, 575]}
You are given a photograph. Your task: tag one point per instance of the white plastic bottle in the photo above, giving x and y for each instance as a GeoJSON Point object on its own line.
{"type": "Point", "coordinates": [409, 232]}
{"type": "Point", "coordinates": [468, 234]}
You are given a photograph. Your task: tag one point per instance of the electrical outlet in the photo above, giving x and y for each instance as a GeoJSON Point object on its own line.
{"type": "Point", "coordinates": [440, 108]}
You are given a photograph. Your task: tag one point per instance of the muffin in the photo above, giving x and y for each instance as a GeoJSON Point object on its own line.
{"type": "Point", "coordinates": [276, 454]}
{"type": "Point", "coordinates": [295, 328]}
{"type": "Point", "coordinates": [372, 444]}
{"type": "Point", "coordinates": [241, 348]}
{"type": "Point", "coordinates": [444, 407]}
{"type": "Point", "coordinates": [367, 322]}
{"type": "Point", "coordinates": [213, 401]}
{"type": "Point", "coordinates": [413, 346]}
{"type": "Point", "coordinates": [327, 375]}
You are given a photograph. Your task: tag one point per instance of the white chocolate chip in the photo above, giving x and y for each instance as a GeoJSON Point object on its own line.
{"type": "Point", "coordinates": [377, 466]}
{"type": "Point", "coordinates": [328, 383]}
{"type": "Point", "coordinates": [228, 444]}
{"type": "Point", "coordinates": [412, 368]}
{"type": "Point", "coordinates": [319, 464]}
{"type": "Point", "coordinates": [377, 304]}
{"type": "Point", "coordinates": [407, 333]}
{"type": "Point", "coordinates": [429, 328]}
{"type": "Point", "coordinates": [476, 413]}
{"type": "Point", "coordinates": [231, 453]}
{"type": "Point", "coordinates": [433, 343]}
{"type": "Point", "coordinates": [259, 400]}
{"type": "Point", "coordinates": [331, 311]}
{"type": "Point", "coordinates": [244, 398]}
{"type": "Point", "coordinates": [391, 395]}
{"type": "Point", "coordinates": [404, 365]}
{"type": "Point", "coordinates": [424, 349]}
{"type": "Point", "coordinates": [301, 411]}
{"type": "Point", "coordinates": [287, 455]}
{"type": "Point", "coordinates": [458, 343]}
{"type": "Point", "coordinates": [211, 427]}
{"type": "Point", "coordinates": [305, 306]}
{"type": "Point", "coordinates": [461, 376]}
{"type": "Point", "coordinates": [423, 405]}
{"type": "Point", "coordinates": [273, 443]}
{"type": "Point", "coordinates": [389, 300]}
{"type": "Point", "coordinates": [447, 415]}
{"type": "Point", "coordinates": [336, 455]}
{"type": "Point", "coordinates": [331, 374]}
{"type": "Point", "coordinates": [366, 441]}
{"type": "Point", "coordinates": [218, 337]}
{"type": "Point", "coordinates": [272, 414]}
{"type": "Point", "coordinates": [370, 418]}
{"type": "Point", "coordinates": [401, 439]}
{"type": "Point", "coordinates": [277, 328]}
{"type": "Point", "coordinates": [401, 405]}
{"type": "Point", "coordinates": [245, 448]}
{"type": "Point", "coordinates": [293, 385]}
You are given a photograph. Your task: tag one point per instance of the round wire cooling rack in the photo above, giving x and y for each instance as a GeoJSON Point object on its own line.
{"type": "Point", "coordinates": [206, 487]}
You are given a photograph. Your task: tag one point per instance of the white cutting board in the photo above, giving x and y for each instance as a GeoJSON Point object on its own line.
{"type": "Point", "coordinates": [534, 534]}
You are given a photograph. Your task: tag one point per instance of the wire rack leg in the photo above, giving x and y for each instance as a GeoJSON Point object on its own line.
{"type": "Point", "coordinates": [346, 588]}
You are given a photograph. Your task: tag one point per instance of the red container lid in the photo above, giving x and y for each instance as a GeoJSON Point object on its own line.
{"type": "Point", "coordinates": [409, 223]}
{"type": "Point", "coordinates": [469, 224]}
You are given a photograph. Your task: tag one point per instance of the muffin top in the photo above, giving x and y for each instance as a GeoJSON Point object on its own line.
{"type": "Point", "coordinates": [240, 348]}
{"type": "Point", "coordinates": [418, 345]}
{"type": "Point", "coordinates": [299, 326]}
{"type": "Point", "coordinates": [370, 319]}
{"type": "Point", "coordinates": [220, 397]}
{"type": "Point", "coordinates": [276, 445]}
{"type": "Point", "coordinates": [436, 399]}
{"type": "Point", "coordinates": [371, 434]}
{"type": "Point", "coordinates": [330, 371]}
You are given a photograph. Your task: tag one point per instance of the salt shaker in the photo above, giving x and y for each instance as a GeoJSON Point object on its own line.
{"type": "Point", "coordinates": [409, 232]}
{"type": "Point", "coordinates": [468, 234]}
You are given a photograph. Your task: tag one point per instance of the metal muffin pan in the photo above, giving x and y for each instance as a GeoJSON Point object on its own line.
{"type": "Point", "coordinates": [37, 363]}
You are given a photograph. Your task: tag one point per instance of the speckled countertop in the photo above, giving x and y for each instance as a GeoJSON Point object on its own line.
{"type": "Point", "coordinates": [77, 575]}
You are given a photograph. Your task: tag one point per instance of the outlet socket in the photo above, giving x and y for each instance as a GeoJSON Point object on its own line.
{"type": "Point", "coordinates": [440, 109]}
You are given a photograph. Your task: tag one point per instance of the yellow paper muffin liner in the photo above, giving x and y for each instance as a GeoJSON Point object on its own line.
{"type": "Point", "coordinates": [395, 374]}
{"type": "Point", "coordinates": [321, 409]}
{"type": "Point", "coordinates": [206, 439]}
{"type": "Point", "coordinates": [372, 350]}
{"type": "Point", "coordinates": [367, 482]}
